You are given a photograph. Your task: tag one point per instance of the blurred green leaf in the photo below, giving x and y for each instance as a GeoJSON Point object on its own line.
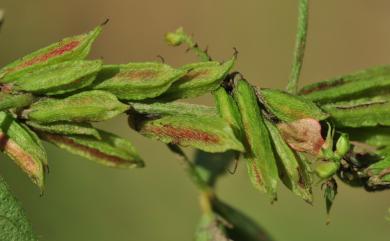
{"type": "Point", "coordinates": [66, 128]}
{"type": "Point", "coordinates": [210, 229]}
{"type": "Point", "coordinates": [8, 101]}
{"type": "Point", "coordinates": [330, 192]}
{"type": "Point", "coordinates": [239, 226]}
{"type": "Point", "coordinates": [14, 225]}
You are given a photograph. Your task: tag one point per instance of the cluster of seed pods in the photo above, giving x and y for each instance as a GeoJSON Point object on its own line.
{"type": "Point", "coordinates": [55, 94]}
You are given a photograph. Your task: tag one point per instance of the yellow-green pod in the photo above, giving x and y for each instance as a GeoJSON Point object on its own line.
{"type": "Point", "coordinates": [288, 107]}
{"type": "Point", "coordinates": [24, 147]}
{"type": "Point", "coordinates": [94, 105]}
{"type": "Point", "coordinates": [137, 81]}
{"type": "Point", "coordinates": [291, 170]}
{"type": "Point", "coordinates": [200, 78]}
{"type": "Point", "coordinates": [72, 48]}
{"type": "Point", "coordinates": [259, 154]}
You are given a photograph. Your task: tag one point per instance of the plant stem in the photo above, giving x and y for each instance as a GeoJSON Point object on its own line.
{"type": "Point", "coordinates": [300, 44]}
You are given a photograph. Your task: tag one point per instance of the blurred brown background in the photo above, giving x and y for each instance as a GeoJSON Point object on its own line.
{"type": "Point", "coordinates": [85, 201]}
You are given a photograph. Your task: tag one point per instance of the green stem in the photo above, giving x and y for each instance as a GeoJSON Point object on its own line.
{"type": "Point", "coordinates": [300, 44]}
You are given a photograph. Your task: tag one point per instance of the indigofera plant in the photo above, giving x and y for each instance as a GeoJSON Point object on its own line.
{"type": "Point", "coordinates": [334, 128]}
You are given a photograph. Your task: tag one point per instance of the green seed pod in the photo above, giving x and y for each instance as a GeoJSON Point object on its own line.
{"type": "Point", "coordinates": [23, 146]}
{"type": "Point", "coordinates": [137, 81]}
{"type": "Point", "coordinates": [288, 107]}
{"type": "Point", "coordinates": [326, 169]}
{"type": "Point", "coordinates": [379, 173]}
{"type": "Point", "coordinates": [378, 167]}
{"type": "Point", "coordinates": [173, 108]}
{"type": "Point", "coordinates": [200, 79]}
{"type": "Point", "coordinates": [259, 153]}
{"type": "Point", "coordinates": [228, 110]}
{"type": "Point", "coordinates": [176, 38]}
{"type": "Point", "coordinates": [361, 112]}
{"type": "Point", "coordinates": [210, 229]}
{"type": "Point", "coordinates": [110, 150]}
{"type": "Point", "coordinates": [59, 78]}
{"type": "Point", "coordinates": [8, 101]}
{"type": "Point", "coordinates": [290, 170]}
{"type": "Point", "coordinates": [343, 145]}
{"type": "Point", "coordinates": [72, 48]}
{"type": "Point", "coordinates": [208, 133]}
{"type": "Point", "coordinates": [66, 128]}
{"type": "Point", "coordinates": [350, 86]}
{"type": "Point", "coordinates": [95, 105]}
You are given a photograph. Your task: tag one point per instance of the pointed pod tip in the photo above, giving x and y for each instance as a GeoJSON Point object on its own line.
{"type": "Point", "coordinates": [106, 21]}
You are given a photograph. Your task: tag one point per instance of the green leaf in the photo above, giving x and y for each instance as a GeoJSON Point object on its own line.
{"type": "Point", "coordinates": [361, 112]}
{"type": "Point", "coordinates": [355, 85]}
{"type": "Point", "coordinates": [23, 146]}
{"type": "Point", "coordinates": [291, 171]}
{"type": "Point", "coordinates": [208, 133]}
{"type": "Point", "coordinates": [259, 154]}
{"type": "Point", "coordinates": [137, 81]}
{"type": "Point", "coordinates": [173, 108]}
{"type": "Point", "coordinates": [72, 48]}
{"type": "Point", "coordinates": [200, 79]}
{"type": "Point", "coordinates": [13, 221]}
{"type": "Point", "coordinates": [95, 105]}
{"type": "Point", "coordinates": [8, 101]}
{"type": "Point", "coordinates": [66, 128]}
{"type": "Point", "coordinates": [59, 78]}
{"type": "Point", "coordinates": [377, 136]}
{"type": "Point", "coordinates": [288, 107]}
{"type": "Point", "coordinates": [239, 226]}
{"type": "Point", "coordinates": [110, 150]}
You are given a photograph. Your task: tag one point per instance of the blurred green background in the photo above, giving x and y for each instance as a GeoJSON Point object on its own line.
{"type": "Point", "coordinates": [85, 201]}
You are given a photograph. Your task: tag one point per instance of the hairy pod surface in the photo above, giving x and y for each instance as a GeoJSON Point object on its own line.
{"type": "Point", "coordinates": [228, 110]}
{"type": "Point", "coordinates": [110, 150]}
{"type": "Point", "coordinates": [59, 78]}
{"type": "Point", "coordinates": [8, 101]}
{"type": "Point", "coordinates": [66, 128]}
{"type": "Point", "coordinates": [287, 107]}
{"type": "Point", "coordinates": [72, 48]}
{"type": "Point", "coordinates": [259, 154]}
{"type": "Point", "coordinates": [291, 171]}
{"type": "Point", "coordinates": [137, 81]}
{"type": "Point", "coordinates": [94, 105]}
{"type": "Point", "coordinates": [24, 147]}
{"type": "Point", "coordinates": [207, 133]}
{"type": "Point", "coordinates": [350, 86]}
{"type": "Point", "coordinates": [200, 78]}
{"type": "Point", "coordinates": [361, 112]}
{"type": "Point", "coordinates": [173, 108]}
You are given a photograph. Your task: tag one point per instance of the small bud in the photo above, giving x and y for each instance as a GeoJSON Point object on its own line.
{"type": "Point", "coordinates": [326, 169]}
{"type": "Point", "coordinates": [176, 38]}
{"type": "Point", "coordinates": [342, 146]}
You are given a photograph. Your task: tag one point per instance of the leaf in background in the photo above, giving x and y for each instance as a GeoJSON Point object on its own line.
{"type": "Point", "coordinates": [287, 107]}
{"type": "Point", "coordinates": [213, 165]}
{"type": "Point", "coordinates": [330, 193]}
{"type": "Point", "coordinates": [200, 79]}
{"type": "Point", "coordinates": [359, 84]}
{"type": "Point", "coordinates": [259, 154]}
{"type": "Point", "coordinates": [23, 146]}
{"type": "Point", "coordinates": [72, 48]}
{"type": "Point", "coordinates": [8, 101]}
{"type": "Point", "coordinates": [239, 226]}
{"type": "Point", "coordinates": [303, 135]}
{"type": "Point", "coordinates": [66, 128]}
{"type": "Point", "coordinates": [377, 136]}
{"type": "Point", "coordinates": [211, 134]}
{"type": "Point", "coordinates": [137, 81]}
{"type": "Point", "coordinates": [1, 17]}
{"type": "Point", "coordinates": [210, 229]}
{"type": "Point", "coordinates": [94, 105]}
{"type": "Point", "coordinates": [14, 225]}
{"type": "Point", "coordinates": [59, 78]}
{"type": "Point", "coordinates": [173, 108]}
{"type": "Point", "coordinates": [361, 113]}
{"type": "Point", "coordinates": [290, 170]}
{"type": "Point", "coordinates": [110, 150]}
